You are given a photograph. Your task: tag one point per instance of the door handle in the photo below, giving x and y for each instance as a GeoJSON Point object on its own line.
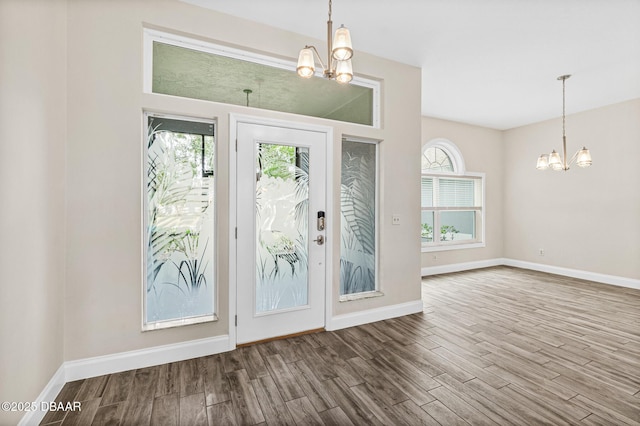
{"type": "Point", "coordinates": [319, 240]}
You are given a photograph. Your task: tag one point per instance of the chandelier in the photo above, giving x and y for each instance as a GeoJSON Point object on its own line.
{"type": "Point", "coordinates": [554, 160]}
{"type": "Point", "coordinates": [339, 56]}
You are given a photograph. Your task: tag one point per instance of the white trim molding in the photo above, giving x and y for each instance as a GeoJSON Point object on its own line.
{"type": "Point", "coordinates": [338, 322]}
{"type": "Point", "coordinates": [123, 361]}
{"type": "Point", "coordinates": [575, 273]}
{"type": "Point", "coordinates": [558, 270]}
{"type": "Point", "coordinates": [48, 394]}
{"type": "Point", "coordinates": [141, 358]}
{"type": "Point", "coordinates": [458, 267]}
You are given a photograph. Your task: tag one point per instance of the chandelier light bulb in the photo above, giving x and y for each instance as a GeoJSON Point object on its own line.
{"type": "Point", "coordinates": [583, 158]}
{"type": "Point", "coordinates": [555, 162]}
{"type": "Point", "coordinates": [543, 162]}
{"type": "Point", "coordinates": [306, 64]}
{"type": "Point", "coordinates": [342, 49]}
{"type": "Point", "coordinates": [344, 71]}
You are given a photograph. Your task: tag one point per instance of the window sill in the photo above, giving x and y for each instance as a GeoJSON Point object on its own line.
{"type": "Point", "coordinates": [360, 296]}
{"type": "Point", "coordinates": [426, 249]}
{"type": "Point", "coordinates": [160, 325]}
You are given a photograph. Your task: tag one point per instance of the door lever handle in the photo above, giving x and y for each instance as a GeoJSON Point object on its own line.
{"type": "Point", "coordinates": [319, 240]}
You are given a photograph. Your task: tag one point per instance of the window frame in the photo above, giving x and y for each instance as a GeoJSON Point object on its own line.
{"type": "Point", "coordinates": [459, 172]}
{"type": "Point", "coordinates": [150, 36]}
{"type": "Point", "coordinates": [190, 320]}
{"type": "Point", "coordinates": [376, 292]}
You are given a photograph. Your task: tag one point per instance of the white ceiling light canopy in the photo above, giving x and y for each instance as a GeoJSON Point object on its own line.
{"type": "Point", "coordinates": [339, 56]}
{"type": "Point", "coordinates": [554, 160]}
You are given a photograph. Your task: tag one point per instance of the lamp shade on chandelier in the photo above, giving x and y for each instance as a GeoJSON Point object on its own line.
{"type": "Point", "coordinates": [306, 66]}
{"type": "Point", "coordinates": [342, 49]}
{"type": "Point", "coordinates": [339, 53]}
{"type": "Point", "coordinates": [555, 161]}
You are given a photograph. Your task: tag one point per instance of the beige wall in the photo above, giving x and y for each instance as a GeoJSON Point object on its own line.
{"type": "Point", "coordinates": [482, 151]}
{"type": "Point", "coordinates": [103, 286]}
{"type": "Point", "coordinates": [32, 165]}
{"type": "Point", "coordinates": [585, 219]}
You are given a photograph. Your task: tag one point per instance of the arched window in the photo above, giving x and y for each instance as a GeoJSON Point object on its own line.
{"type": "Point", "coordinates": [435, 159]}
{"type": "Point", "coordinates": [442, 155]}
{"type": "Point", "coordinates": [451, 199]}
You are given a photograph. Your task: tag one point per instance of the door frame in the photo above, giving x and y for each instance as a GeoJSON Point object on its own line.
{"type": "Point", "coordinates": [234, 120]}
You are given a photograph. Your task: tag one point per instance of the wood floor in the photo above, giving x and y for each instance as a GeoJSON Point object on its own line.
{"type": "Point", "coordinates": [493, 346]}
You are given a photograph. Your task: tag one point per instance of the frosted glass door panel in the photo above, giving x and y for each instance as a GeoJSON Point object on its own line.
{"type": "Point", "coordinates": [282, 199]}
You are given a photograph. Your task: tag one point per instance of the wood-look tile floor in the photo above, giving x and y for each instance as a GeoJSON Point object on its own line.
{"type": "Point", "coordinates": [493, 346]}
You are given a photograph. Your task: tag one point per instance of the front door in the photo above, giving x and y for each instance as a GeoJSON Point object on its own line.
{"type": "Point", "coordinates": [281, 197]}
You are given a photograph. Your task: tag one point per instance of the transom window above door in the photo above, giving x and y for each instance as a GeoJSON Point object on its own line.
{"type": "Point", "coordinates": [189, 68]}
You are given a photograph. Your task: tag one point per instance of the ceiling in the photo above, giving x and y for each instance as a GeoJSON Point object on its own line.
{"type": "Point", "coordinates": [492, 63]}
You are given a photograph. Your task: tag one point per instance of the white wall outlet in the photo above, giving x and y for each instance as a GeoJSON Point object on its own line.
{"type": "Point", "coordinates": [541, 252]}
{"type": "Point", "coordinates": [395, 219]}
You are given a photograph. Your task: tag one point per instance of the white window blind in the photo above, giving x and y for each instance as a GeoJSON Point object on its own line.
{"type": "Point", "coordinates": [427, 192]}
{"type": "Point", "coordinates": [455, 193]}
{"type": "Point", "coordinates": [449, 192]}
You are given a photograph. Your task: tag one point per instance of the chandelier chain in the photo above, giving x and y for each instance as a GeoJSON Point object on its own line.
{"type": "Point", "coordinates": [329, 9]}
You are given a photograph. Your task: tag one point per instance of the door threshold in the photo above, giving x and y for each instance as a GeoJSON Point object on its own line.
{"type": "Point", "coordinates": [271, 339]}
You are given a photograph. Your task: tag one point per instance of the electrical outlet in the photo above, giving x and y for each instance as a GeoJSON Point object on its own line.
{"type": "Point", "coordinates": [395, 219]}
{"type": "Point", "coordinates": [541, 252]}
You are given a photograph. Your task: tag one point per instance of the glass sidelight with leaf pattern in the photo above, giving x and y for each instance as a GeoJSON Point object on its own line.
{"type": "Point", "coordinates": [179, 221]}
{"type": "Point", "coordinates": [358, 206]}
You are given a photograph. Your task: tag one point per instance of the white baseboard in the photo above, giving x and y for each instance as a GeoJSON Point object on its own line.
{"type": "Point", "coordinates": [48, 394]}
{"type": "Point", "coordinates": [575, 273]}
{"type": "Point", "coordinates": [131, 360]}
{"type": "Point", "coordinates": [372, 315]}
{"type": "Point", "coordinates": [123, 361]}
{"type": "Point", "coordinates": [567, 272]}
{"type": "Point", "coordinates": [458, 267]}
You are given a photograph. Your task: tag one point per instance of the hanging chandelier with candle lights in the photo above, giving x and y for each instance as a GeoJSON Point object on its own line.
{"type": "Point", "coordinates": [554, 161]}
{"type": "Point", "coordinates": [339, 53]}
